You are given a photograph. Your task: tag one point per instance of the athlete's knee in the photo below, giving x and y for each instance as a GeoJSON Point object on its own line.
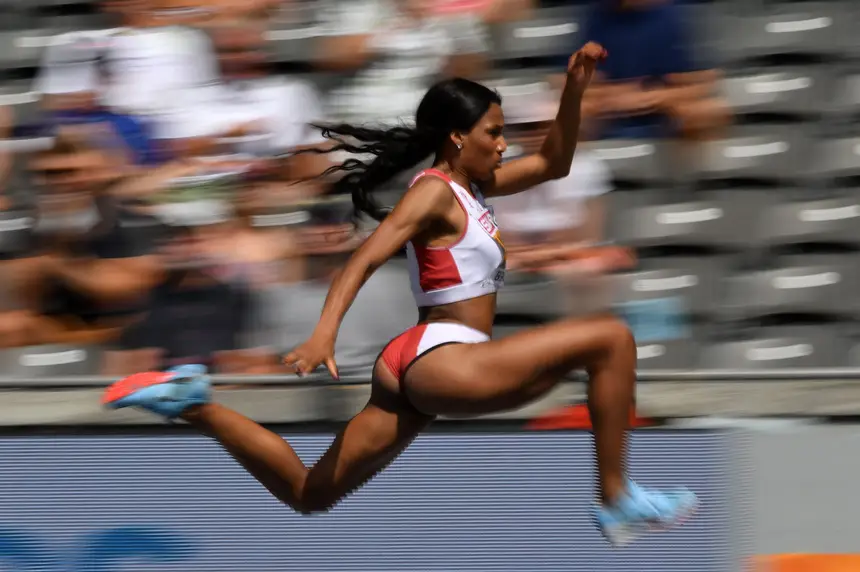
{"type": "Point", "coordinates": [616, 338]}
{"type": "Point", "coordinates": [314, 499]}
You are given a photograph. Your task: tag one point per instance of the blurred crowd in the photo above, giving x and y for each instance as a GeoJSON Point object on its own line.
{"type": "Point", "coordinates": [154, 211]}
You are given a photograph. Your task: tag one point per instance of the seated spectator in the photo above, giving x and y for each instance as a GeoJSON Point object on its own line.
{"type": "Point", "coordinates": [650, 86]}
{"type": "Point", "coordinates": [396, 48]}
{"type": "Point", "coordinates": [86, 274]}
{"type": "Point", "coordinates": [556, 228]}
{"type": "Point", "coordinates": [193, 315]}
{"type": "Point", "coordinates": [266, 112]}
{"type": "Point", "coordinates": [122, 77]}
{"type": "Point", "coordinates": [117, 78]}
{"type": "Point", "coordinates": [260, 248]}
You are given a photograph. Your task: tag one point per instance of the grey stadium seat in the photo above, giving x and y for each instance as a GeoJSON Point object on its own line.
{"type": "Point", "coordinates": [639, 161]}
{"type": "Point", "coordinates": [14, 18]}
{"type": "Point", "coordinates": [775, 349]}
{"type": "Point", "coordinates": [15, 232]}
{"type": "Point", "coordinates": [715, 222]}
{"type": "Point", "coordinates": [294, 44]}
{"type": "Point", "coordinates": [531, 295]}
{"type": "Point", "coordinates": [837, 158]}
{"type": "Point", "coordinates": [772, 153]}
{"type": "Point", "coordinates": [551, 32]}
{"type": "Point", "coordinates": [846, 96]}
{"type": "Point", "coordinates": [827, 221]}
{"type": "Point", "coordinates": [854, 355]}
{"type": "Point", "coordinates": [680, 354]}
{"type": "Point", "coordinates": [798, 91]}
{"type": "Point", "coordinates": [24, 103]}
{"type": "Point", "coordinates": [806, 284]}
{"type": "Point", "coordinates": [814, 28]}
{"type": "Point", "coordinates": [50, 360]}
{"type": "Point", "coordinates": [19, 49]}
{"type": "Point", "coordinates": [694, 282]}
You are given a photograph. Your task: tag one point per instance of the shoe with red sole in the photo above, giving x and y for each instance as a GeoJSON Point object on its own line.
{"type": "Point", "coordinates": [165, 393]}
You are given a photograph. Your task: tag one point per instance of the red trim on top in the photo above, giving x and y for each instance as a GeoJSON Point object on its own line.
{"type": "Point", "coordinates": [432, 173]}
{"type": "Point", "coordinates": [437, 268]}
{"type": "Point", "coordinates": [451, 183]}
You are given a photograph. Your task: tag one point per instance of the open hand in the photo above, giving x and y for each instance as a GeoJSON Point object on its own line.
{"type": "Point", "coordinates": [581, 65]}
{"type": "Point", "coordinates": [308, 356]}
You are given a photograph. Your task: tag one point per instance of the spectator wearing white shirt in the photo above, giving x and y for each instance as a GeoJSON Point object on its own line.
{"type": "Point", "coordinates": [267, 114]}
{"type": "Point", "coordinates": [398, 48]}
{"type": "Point", "coordinates": [139, 68]}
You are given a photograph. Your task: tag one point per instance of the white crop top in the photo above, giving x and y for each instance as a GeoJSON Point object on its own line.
{"type": "Point", "coordinates": [473, 266]}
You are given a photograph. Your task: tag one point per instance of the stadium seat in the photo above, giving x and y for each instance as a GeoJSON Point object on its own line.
{"type": "Point", "coordinates": [696, 280]}
{"type": "Point", "coordinates": [532, 295]}
{"type": "Point", "coordinates": [551, 32]}
{"type": "Point", "coordinates": [773, 154]}
{"type": "Point", "coordinates": [794, 91]}
{"type": "Point", "coordinates": [803, 28]}
{"type": "Point", "coordinates": [50, 361]}
{"type": "Point", "coordinates": [24, 103]}
{"type": "Point", "coordinates": [15, 17]}
{"type": "Point", "coordinates": [296, 44]}
{"type": "Point", "coordinates": [680, 354]}
{"type": "Point", "coordinates": [822, 286]}
{"type": "Point", "coordinates": [833, 221]}
{"type": "Point", "coordinates": [16, 229]}
{"type": "Point", "coordinates": [837, 159]}
{"type": "Point", "coordinates": [845, 103]}
{"type": "Point", "coordinates": [639, 162]}
{"type": "Point", "coordinates": [714, 221]}
{"type": "Point", "coordinates": [777, 348]}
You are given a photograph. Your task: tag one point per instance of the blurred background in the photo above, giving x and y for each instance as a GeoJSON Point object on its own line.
{"type": "Point", "coordinates": [150, 215]}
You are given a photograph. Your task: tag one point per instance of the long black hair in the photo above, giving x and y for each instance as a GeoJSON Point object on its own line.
{"type": "Point", "coordinates": [450, 105]}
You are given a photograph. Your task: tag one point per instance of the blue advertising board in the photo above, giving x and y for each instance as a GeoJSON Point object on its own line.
{"type": "Point", "coordinates": [454, 502]}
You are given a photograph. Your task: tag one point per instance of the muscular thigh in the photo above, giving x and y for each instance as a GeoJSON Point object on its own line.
{"type": "Point", "coordinates": [470, 379]}
{"type": "Point", "coordinates": [368, 443]}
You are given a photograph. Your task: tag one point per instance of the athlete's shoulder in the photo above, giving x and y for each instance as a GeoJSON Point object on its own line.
{"type": "Point", "coordinates": [429, 196]}
{"type": "Point", "coordinates": [428, 183]}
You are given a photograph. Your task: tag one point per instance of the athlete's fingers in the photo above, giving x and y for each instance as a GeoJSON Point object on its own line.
{"type": "Point", "coordinates": [587, 55]}
{"type": "Point", "coordinates": [332, 368]}
{"type": "Point", "coordinates": [593, 51]}
{"type": "Point", "coordinates": [291, 358]}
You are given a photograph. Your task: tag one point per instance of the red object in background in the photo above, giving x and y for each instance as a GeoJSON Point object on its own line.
{"type": "Point", "coordinates": [460, 6]}
{"type": "Point", "coordinates": [576, 417]}
{"type": "Point", "coordinates": [807, 563]}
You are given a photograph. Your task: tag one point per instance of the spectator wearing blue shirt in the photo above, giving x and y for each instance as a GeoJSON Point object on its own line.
{"type": "Point", "coordinates": [650, 86]}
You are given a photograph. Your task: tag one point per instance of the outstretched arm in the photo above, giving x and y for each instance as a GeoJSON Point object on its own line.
{"type": "Point", "coordinates": [556, 154]}
{"type": "Point", "coordinates": [427, 201]}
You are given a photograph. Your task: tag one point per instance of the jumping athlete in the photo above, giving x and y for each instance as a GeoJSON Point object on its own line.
{"type": "Point", "coordinates": [447, 364]}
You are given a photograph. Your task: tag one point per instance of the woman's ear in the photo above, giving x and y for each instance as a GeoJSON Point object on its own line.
{"type": "Point", "coordinates": [457, 139]}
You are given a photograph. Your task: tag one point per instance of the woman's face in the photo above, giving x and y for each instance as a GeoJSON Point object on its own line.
{"type": "Point", "coordinates": [483, 146]}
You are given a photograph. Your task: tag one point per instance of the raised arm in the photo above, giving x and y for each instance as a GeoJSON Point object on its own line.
{"type": "Point", "coordinates": [428, 201]}
{"type": "Point", "coordinates": [556, 154]}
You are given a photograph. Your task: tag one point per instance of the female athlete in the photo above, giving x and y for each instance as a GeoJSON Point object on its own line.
{"type": "Point", "coordinates": [446, 365]}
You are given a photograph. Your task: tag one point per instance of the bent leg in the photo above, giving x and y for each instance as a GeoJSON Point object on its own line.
{"type": "Point", "coordinates": [464, 379]}
{"type": "Point", "coordinates": [368, 443]}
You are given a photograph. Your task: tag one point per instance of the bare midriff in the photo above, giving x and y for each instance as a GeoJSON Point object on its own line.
{"type": "Point", "coordinates": [477, 313]}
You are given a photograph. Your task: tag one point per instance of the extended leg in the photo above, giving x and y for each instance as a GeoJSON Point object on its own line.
{"type": "Point", "coordinates": [369, 442]}
{"type": "Point", "coordinates": [504, 374]}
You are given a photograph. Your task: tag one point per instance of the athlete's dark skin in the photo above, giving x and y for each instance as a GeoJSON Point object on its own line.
{"type": "Point", "coordinates": [457, 379]}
